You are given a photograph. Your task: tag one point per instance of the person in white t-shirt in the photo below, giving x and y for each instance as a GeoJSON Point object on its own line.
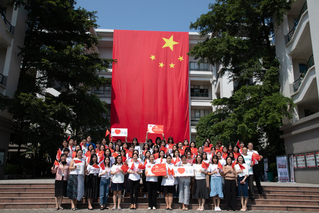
{"type": "Point", "coordinates": [168, 182]}
{"type": "Point", "coordinates": [151, 182]}
{"type": "Point", "coordinates": [117, 184]}
{"type": "Point", "coordinates": [216, 186]}
{"type": "Point", "coordinates": [250, 178]}
{"type": "Point", "coordinates": [134, 178]}
{"type": "Point", "coordinates": [105, 181]}
{"type": "Point", "coordinates": [184, 186]}
{"type": "Point", "coordinates": [200, 189]}
{"type": "Point", "coordinates": [242, 175]}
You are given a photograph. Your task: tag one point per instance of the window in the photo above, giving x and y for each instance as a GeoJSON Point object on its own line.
{"type": "Point", "coordinates": [106, 89]}
{"type": "Point", "coordinates": [199, 90]}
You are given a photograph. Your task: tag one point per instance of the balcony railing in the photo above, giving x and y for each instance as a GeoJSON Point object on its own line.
{"type": "Point", "coordinates": [194, 66]}
{"type": "Point", "coordinates": [7, 23]}
{"type": "Point", "coordinates": [2, 79]}
{"type": "Point", "coordinates": [106, 93]}
{"type": "Point", "coordinates": [195, 119]}
{"type": "Point", "coordinates": [303, 72]}
{"type": "Point", "coordinates": [303, 9]}
{"type": "Point", "coordinates": [200, 97]}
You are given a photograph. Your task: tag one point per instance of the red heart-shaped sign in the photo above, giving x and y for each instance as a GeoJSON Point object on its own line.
{"type": "Point", "coordinates": [181, 170]}
{"type": "Point", "coordinates": [117, 131]}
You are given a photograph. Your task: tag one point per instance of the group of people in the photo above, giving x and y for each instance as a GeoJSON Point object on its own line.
{"type": "Point", "coordinates": [91, 170]}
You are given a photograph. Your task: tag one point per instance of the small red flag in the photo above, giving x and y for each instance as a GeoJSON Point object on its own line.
{"type": "Point", "coordinates": [210, 145]}
{"type": "Point", "coordinates": [124, 168]}
{"type": "Point", "coordinates": [176, 161]}
{"type": "Point", "coordinates": [95, 166]}
{"type": "Point", "coordinates": [88, 159]}
{"type": "Point", "coordinates": [102, 166]}
{"type": "Point", "coordinates": [170, 146]}
{"type": "Point", "coordinates": [207, 149]}
{"type": "Point", "coordinates": [87, 154]}
{"type": "Point", "coordinates": [141, 166]}
{"type": "Point", "coordinates": [115, 154]}
{"type": "Point", "coordinates": [194, 151]}
{"type": "Point", "coordinates": [132, 167]}
{"type": "Point", "coordinates": [238, 143]}
{"type": "Point", "coordinates": [233, 164]}
{"type": "Point", "coordinates": [58, 155]}
{"type": "Point", "coordinates": [156, 155]}
{"type": "Point", "coordinates": [111, 150]}
{"type": "Point", "coordinates": [107, 132]}
{"type": "Point", "coordinates": [241, 166]}
{"type": "Point", "coordinates": [56, 163]}
{"type": "Point", "coordinates": [123, 159]}
{"type": "Point", "coordinates": [225, 155]}
{"type": "Point", "coordinates": [184, 147]}
{"type": "Point", "coordinates": [77, 161]}
{"type": "Point", "coordinates": [205, 165]}
{"type": "Point", "coordinates": [255, 157]}
{"type": "Point", "coordinates": [164, 149]}
{"type": "Point", "coordinates": [144, 152]}
{"type": "Point", "coordinates": [101, 158]}
{"type": "Point", "coordinates": [181, 151]}
{"type": "Point", "coordinates": [220, 165]}
{"type": "Point", "coordinates": [236, 154]}
{"type": "Point", "coordinates": [73, 154]}
{"type": "Point", "coordinates": [69, 137]}
{"type": "Point", "coordinates": [130, 154]}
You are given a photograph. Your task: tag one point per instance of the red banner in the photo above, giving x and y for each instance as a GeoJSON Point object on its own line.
{"type": "Point", "coordinates": [156, 170]}
{"type": "Point", "coordinates": [150, 83]}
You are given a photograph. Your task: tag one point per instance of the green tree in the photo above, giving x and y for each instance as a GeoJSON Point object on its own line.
{"type": "Point", "coordinates": [238, 37]}
{"type": "Point", "coordinates": [60, 53]}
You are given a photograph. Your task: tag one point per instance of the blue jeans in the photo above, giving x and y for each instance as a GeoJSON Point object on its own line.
{"type": "Point", "coordinates": [104, 190]}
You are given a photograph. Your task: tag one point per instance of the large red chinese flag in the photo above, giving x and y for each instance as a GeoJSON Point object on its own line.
{"type": "Point", "coordinates": [150, 83]}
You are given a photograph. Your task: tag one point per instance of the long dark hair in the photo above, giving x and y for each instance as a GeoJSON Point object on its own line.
{"type": "Point", "coordinates": [107, 157]}
{"type": "Point", "coordinates": [215, 157]}
{"type": "Point", "coordinates": [242, 157]}
{"type": "Point", "coordinates": [119, 156]}
{"type": "Point", "coordinates": [201, 159]}
{"type": "Point", "coordinates": [231, 161]}
{"type": "Point", "coordinates": [91, 160]}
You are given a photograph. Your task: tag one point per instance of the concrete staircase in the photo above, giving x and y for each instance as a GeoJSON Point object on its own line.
{"type": "Point", "coordinates": [278, 198]}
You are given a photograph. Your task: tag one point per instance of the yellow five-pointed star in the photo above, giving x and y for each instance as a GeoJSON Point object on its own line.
{"type": "Point", "coordinates": [181, 58]}
{"type": "Point", "coordinates": [152, 57]}
{"type": "Point", "coordinates": [161, 64]}
{"type": "Point", "coordinates": [171, 65]}
{"type": "Point", "coordinates": [169, 43]}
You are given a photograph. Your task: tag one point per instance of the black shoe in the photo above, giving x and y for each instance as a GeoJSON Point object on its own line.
{"type": "Point", "coordinates": [252, 198]}
{"type": "Point", "coordinates": [263, 193]}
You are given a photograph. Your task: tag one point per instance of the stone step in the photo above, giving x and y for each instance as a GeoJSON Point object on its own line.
{"type": "Point", "coordinates": [29, 185]}
{"type": "Point", "coordinates": [22, 189]}
{"type": "Point", "coordinates": [290, 192]}
{"type": "Point", "coordinates": [284, 196]}
{"type": "Point", "coordinates": [26, 194]}
{"type": "Point", "coordinates": [296, 188]}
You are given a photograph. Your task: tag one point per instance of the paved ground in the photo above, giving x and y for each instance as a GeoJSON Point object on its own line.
{"type": "Point", "coordinates": [130, 211]}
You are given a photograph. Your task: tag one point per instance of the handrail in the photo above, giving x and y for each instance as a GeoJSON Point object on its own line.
{"type": "Point", "coordinates": [303, 72]}
{"type": "Point", "coordinates": [6, 22]}
{"type": "Point", "coordinates": [291, 32]}
{"type": "Point", "coordinates": [194, 66]}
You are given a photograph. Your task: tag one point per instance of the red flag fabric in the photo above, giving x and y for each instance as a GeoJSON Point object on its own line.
{"type": "Point", "coordinates": [236, 154]}
{"type": "Point", "coordinates": [176, 160]}
{"type": "Point", "coordinates": [123, 159]}
{"type": "Point", "coordinates": [241, 166]}
{"type": "Point", "coordinates": [255, 157]}
{"type": "Point", "coordinates": [144, 152]}
{"type": "Point", "coordinates": [224, 155]}
{"type": "Point", "coordinates": [87, 154]}
{"type": "Point", "coordinates": [238, 144]}
{"type": "Point", "coordinates": [220, 165]}
{"type": "Point", "coordinates": [73, 154]}
{"type": "Point", "coordinates": [58, 154]}
{"type": "Point", "coordinates": [132, 167]}
{"type": "Point", "coordinates": [101, 158]}
{"type": "Point", "coordinates": [205, 165]}
{"type": "Point", "coordinates": [150, 82]}
{"type": "Point", "coordinates": [77, 161]}
{"type": "Point", "coordinates": [170, 146]}
{"type": "Point", "coordinates": [69, 137]}
{"type": "Point", "coordinates": [156, 155]}
{"type": "Point", "coordinates": [164, 149]}
{"type": "Point", "coordinates": [233, 164]}
{"type": "Point", "coordinates": [171, 171]}
{"type": "Point", "coordinates": [107, 132]}
{"type": "Point", "coordinates": [124, 168]}
{"type": "Point", "coordinates": [194, 151]}
{"type": "Point", "coordinates": [102, 166]}
{"type": "Point", "coordinates": [56, 163]}
{"type": "Point", "coordinates": [207, 149]}
{"type": "Point", "coordinates": [95, 166]}
{"type": "Point", "coordinates": [114, 155]}
{"type": "Point", "coordinates": [130, 154]}
{"type": "Point", "coordinates": [181, 151]}
{"type": "Point", "coordinates": [141, 166]}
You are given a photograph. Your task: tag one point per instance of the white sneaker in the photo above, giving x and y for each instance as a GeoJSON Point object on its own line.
{"type": "Point", "coordinates": [154, 207]}
{"type": "Point", "coordinates": [149, 208]}
{"type": "Point", "coordinates": [218, 209]}
{"type": "Point", "coordinates": [215, 209]}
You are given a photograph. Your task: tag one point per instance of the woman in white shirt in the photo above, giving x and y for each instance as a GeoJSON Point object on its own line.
{"type": "Point", "coordinates": [92, 181]}
{"type": "Point", "coordinates": [216, 186]}
{"type": "Point", "coordinates": [242, 174]}
{"type": "Point", "coordinates": [159, 160]}
{"type": "Point", "coordinates": [168, 183]}
{"type": "Point", "coordinates": [151, 182]}
{"type": "Point", "coordinates": [105, 181]}
{"type": "Point", "coordinates": [134, 179]}
{"type": "Point", "coordinates": [184, 184]}
{"type": "Point", "coordinates": [117, 184]}
{"type": "Point", "coordinates": [200, 190]}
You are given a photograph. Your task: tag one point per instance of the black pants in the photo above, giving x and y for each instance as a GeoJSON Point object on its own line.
{"type": "Point", "coordinates": [152, 193]}
{"type": "Point", "coordinates": [257, 178]}
{"type": "Point", "coordinates": [134, 191]}
{"type": "Point", "coordinates": [251, 186]}
{"type": "Point", "coordinates": [231, 194]}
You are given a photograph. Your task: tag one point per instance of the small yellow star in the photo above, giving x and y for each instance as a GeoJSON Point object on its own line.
{"type": "Point", "coordinates": [152, 57]}
{"type": "Point", "coordinates": [171, 65]}
{"type": "Point", "coordinates": [161, 64]}
{"type": "Point", "coordinates": [169, 42]}
{"type": "Point", "coordinates": [181, 58]}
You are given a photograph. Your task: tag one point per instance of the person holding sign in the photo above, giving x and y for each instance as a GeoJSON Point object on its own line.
{"type": "Point", "coordinates": [92, 181]}
{"type": "Point", "coordinates": [105, 169]}
{"type": "Point", "coordinates": [184, 184]}
{"type": "Point", "coordinates": [75, 189]}
{"type": "Point", "coordinates": [117, 184]}
{"type": "Point", "coordinates": [151, 182]}
{"type": "Point", "coordinates": [216, 186]}
{"type": "Point", "coordinates": [242, 175]}
{"type": "Point", "coordinates": [200, 189]}
{"type": "Point", "coordinates": [61, 180]}
{"type": "Point", "coordinates": [134, 179]}
{"type": "Point", "coordinates": [160, 160]}
{"type": "Point", "coordinates": [168, 183]}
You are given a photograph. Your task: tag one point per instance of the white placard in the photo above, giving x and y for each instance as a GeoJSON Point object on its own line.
{"type": "Point", "coordinates": [317, 158]}
{"type": "Point", "coordinates": [294, 161]}
{"type": "Point", "coordinates": [282, 169]}
{"type": "Point", "coordinates": [155, 128]}
{"type": "Point", "coordinates": [310, 158]}
{"type": "Point", "coordinates": [301, 161]}
{"type": "Point", "coordinates": [292, 168]}
{"type": "Point", "coordinates": [184, 171]}
{"type": "Point", "coordinates": [119, 132]}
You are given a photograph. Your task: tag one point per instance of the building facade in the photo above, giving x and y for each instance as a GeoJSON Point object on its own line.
{"type": "Point", "coordinates": [297, 48]}
{"type": "Point", "coordinates": [205, 83]}
{"type": "Point", "coordinates": [12, 33]}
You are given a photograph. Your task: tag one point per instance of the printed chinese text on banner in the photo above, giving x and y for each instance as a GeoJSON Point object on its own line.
{"type": "Point", "coordinates": [150, 83]}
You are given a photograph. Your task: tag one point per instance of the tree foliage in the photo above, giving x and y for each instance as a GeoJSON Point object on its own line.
{"type": "Point", "coordinates": [59, 52]}
{"type": "Point", "coordinates": [238, 37]}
